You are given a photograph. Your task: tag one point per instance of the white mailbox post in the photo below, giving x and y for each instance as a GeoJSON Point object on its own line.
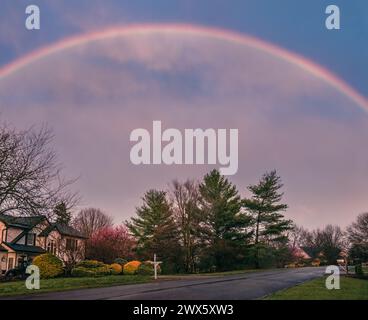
{"type": "Point", "coordinates": [155, 264]}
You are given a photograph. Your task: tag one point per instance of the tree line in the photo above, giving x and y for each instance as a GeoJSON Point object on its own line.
{"type": "Point", "coordinates": [194, 226]}
{"type": "Point", "coordinates": [207, 226]}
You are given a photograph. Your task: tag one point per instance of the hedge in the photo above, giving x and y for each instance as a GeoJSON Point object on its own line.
{"type": "Point", "coordinates": [50, 266]}
{"type": "Point", "coordinates": [116, 268]}
{"type": "Point", "coordinates": [131, 267]}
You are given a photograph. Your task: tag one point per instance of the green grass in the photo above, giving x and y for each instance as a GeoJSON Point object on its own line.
{"type": "Point", "coordinates": [61, 284]}
{"type": "Point", "coordinates": [350, 289]}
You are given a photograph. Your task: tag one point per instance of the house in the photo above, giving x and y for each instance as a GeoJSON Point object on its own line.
{"type": "Point", "coordinates": [299, 254]}
{"type": "Point", "coordinates": [23, 238]}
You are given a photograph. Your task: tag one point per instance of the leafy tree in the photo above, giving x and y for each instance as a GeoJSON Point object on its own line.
{"type": "Point", "coordinates": [90, 220]}
{"type": "Point", "coordinates": [156, 231]}
{"type": "Point", "coordinates": [189, 219]}
{"type": "Point", "coordinates": [30, 176]}
{"type": "Point", "coordinates": [225, 226]}
{"type": "Point", "coordinates": [325, 244]}
{"type": "Point", "coordinates": [109, 243]}
{"type": "Point", "coordinates": [358, 237]}
{"type": "Point", "coordinates": [62, 214]}
{"type": "Point", "coordinates": [269, 224]}
{"type": "Point", "coordinates": [332, 243]}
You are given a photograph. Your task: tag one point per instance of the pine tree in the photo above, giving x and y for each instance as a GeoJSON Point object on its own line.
{"type": "Point", "coordinates": [265, 207]}
{"type": "Point", "coordinates": [62, 214]}
{"type": "Point", "coordinates": [226, 226]}
{"type": "Point", "coordinates": [155, 230]}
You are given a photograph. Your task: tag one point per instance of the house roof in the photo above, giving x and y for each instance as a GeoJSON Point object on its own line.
{"type": "Point", "coordinates": [24, 248]}
{"type": "Point", "coordinates": [3, 249]}
{"type": "Point", "coordinates": [300, 253]}
{"type": "Point", "coordinates": [63, 229]}
{"type": "Point", "coordinates": [21, 222]}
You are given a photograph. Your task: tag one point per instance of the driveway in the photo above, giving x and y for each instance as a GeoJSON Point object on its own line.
{"type": "Point", "coordinates": [233, 287]}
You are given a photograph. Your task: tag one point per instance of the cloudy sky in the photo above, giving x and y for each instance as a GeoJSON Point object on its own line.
{"type": "Point", "coordinates": [196, 64]}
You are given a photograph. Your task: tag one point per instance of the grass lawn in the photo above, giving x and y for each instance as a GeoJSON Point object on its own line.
{"type": "Point", "coordinates": [350, 289]}
{"type": "Point", "coordinates": [61, 284]}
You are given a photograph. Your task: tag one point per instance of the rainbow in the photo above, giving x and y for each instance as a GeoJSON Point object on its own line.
{"type": "Point", "coordinates": [221, 34]}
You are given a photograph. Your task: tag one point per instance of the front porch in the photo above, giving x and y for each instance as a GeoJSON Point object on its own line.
{"type": "Point", "coordinates": [12, 256]}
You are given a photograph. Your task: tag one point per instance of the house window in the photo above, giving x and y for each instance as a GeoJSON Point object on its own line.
{"type": "Point", "coordinates": [71, 244]}
{"type": "Point", "coordinates": [51, 247]}
{"type": "Point", "coordinates": [31, 238]}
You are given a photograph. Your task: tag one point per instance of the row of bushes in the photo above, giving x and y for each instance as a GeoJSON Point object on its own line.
{"type": "Point", "coordinates": [50, 267]}
{"type": "Point", "coordinates": [93, 268]}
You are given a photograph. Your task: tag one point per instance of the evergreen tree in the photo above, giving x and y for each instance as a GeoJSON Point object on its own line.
{"type": "Point", "coordinates": [226, 226]}
{"type": "Point", "coordinates": [62, 214]}
{"type": "Point", "coordinates": [155, 230]}
{"type": "Point", "coordinates": [269, 224]}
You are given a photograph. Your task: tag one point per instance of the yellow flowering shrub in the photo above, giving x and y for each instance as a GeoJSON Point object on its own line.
{"type": "Point", "coordinates": [50, 266]}
{"type": "Point", "coordinates": [116, 268]}
{"type": "Point", "coordinates": [131, 267]}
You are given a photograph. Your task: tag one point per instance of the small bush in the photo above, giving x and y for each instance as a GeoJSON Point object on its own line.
{"type": "Point", "coordinates": [131, 267]}
{"type": "Point", "coordinates": [91, 272]}
{"type": "Point", "coordinates": [116, 268]}
{"type": "Point", "coordinates": [151, 264]}
{"type": "Point", "coordinates": [145, 269]}
{"type": "Point", "coordinates": [359, 270]}
{"type": "Point", "coordinates": [50, 266]}
{"type": "Point", "coordinates": [90, 264]}
{"type": "Point", "coordinates": [121, 261]}
{"type": "Point", "coordinates": [91, 268]}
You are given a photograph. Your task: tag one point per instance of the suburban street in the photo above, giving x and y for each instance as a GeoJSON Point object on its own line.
{"type": "Point", "coordinates": [247, 286]}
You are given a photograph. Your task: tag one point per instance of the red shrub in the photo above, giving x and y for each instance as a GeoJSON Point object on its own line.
{"type": "Point", "coordinates": [110, 243]}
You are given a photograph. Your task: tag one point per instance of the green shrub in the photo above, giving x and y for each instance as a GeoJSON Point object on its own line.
{"type": "Point", "coordinates": [50, 266]}
{"type": "Point", "coordinates": [121, 261]}
{"type": "Point", "coordinates": [359, 270]}
{"type": "Point", "coordinates": [90, 264]}
{"type": "Point", "coordinates": [91, 268]}
{"type": "Point", "coordinates": [145, 269]}
{"type": "Point", "coordinates": [91, 272]}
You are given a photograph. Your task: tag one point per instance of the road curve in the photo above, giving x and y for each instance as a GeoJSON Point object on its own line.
{"type": "Point", "coordinates": [246, 286]}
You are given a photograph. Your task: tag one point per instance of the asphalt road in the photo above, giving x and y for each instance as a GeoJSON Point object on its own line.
{"type": "Point", "coordinates": [233, 287]}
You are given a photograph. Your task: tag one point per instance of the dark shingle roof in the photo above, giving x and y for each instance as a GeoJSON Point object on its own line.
{"type": "Point", "coordinates": [23, 248]}
{"type": "Point", "coordinates": [3, 249]}
{"type": "Point", "coordinates": [63, 229]}
{"type": "Point", "coordinates": [21, 222]}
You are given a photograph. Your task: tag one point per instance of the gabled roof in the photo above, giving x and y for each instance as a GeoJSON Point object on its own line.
{"type": "Point", "coordinates": [24, 248]}
{"type": "Point", "coordinates": [2, 249]}
{"type": "Point", "coordinates": [21, 222]}
{"type": "Point", "coordinates": [300, 253]}
{"type": "Point", "coordinates": [63, 229]}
